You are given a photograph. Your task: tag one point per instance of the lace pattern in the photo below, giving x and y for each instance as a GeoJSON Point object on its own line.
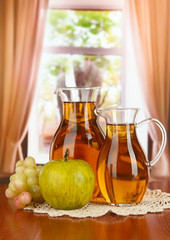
{"type": "Point", "coordinates": [153, 201]}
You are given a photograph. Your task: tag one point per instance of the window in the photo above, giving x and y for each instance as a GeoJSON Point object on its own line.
{"type": "Point", "coordinates": [81, 48]}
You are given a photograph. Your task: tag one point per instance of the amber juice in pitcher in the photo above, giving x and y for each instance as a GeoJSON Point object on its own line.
{"type": "Point", "coordinates": [122, 173]}
{"type": "Point", "coordinates": [79, 132]}
{"type": "Point", "coordinates": [122, 165]}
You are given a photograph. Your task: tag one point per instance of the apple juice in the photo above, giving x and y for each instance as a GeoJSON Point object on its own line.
{"type": "Point", "coordinates": [81, 134]}
{"type": "Point", "coordinates": [122, 172]}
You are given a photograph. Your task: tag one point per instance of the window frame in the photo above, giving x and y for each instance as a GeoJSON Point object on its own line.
{"type": "Point", "coordinates": [112, 5]}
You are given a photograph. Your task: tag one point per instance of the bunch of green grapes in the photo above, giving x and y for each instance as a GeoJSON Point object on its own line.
{"type": "Point", "coordinates": [24, 184]}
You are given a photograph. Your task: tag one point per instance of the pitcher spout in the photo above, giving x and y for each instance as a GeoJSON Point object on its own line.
{"type": "Point", "coordinates": [114, 114]}
{"type": "Point", "coordinates": [78, 94]}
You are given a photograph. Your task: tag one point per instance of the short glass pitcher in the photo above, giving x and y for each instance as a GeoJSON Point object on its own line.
{"type": "Point", "coordinates": [122, 165]}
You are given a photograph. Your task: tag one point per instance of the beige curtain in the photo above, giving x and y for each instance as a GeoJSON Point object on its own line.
{"type": "Point", "coordinates": [21, 34]}
{"type": "Point", "coordinates": [150, 25]}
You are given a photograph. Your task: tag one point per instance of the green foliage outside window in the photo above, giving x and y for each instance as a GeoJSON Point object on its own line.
{"type": "Point", "coordinates": [84, 28]}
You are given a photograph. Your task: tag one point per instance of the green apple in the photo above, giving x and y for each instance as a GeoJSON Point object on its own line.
{"type": "Point", "coordinates": [67, 184]}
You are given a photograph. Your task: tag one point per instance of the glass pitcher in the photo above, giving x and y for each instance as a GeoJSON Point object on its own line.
{"type": "Point", "coordinates": [78, 130]}
{"type": "Point", "coordinates": [122, 165]}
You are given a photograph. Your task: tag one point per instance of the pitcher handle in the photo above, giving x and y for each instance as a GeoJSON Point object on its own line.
{"type": "Point", "coordinates": [164, 138]}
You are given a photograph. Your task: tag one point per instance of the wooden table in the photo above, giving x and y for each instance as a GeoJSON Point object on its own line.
{"type": "Point", "coordinates": [20, 224]}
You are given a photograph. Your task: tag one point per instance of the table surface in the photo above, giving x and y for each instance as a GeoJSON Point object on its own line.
{"type": "Point", "coordinates": [21, 224]}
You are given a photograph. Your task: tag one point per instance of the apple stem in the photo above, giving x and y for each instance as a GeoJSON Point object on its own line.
{"type": "Point", "coordinates": [66, 155]}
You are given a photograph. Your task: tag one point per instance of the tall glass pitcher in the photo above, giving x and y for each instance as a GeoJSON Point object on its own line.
{"type": "Point", "coordinates": [78, 130]}
{"type": "Point", "coordinates": [122, 164]}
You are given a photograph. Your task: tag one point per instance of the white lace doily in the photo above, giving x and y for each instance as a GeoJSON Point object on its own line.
{"type": "Point", "coordinates": [153, 201]}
